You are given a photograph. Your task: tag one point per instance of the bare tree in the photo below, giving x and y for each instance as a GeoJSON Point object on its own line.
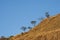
{"type": "Point", "coordinates": [33, 23]}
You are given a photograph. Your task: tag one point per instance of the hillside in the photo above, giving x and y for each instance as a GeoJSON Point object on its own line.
{"type": "Point", "coordinates": [47, 29]}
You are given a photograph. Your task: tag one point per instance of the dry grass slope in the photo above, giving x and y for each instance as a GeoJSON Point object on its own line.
{"type": "Point", "coordinates": [48, 29]}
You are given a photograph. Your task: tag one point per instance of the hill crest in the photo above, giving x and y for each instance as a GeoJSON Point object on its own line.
{"type": "Point", "coordinates": [46, 29]}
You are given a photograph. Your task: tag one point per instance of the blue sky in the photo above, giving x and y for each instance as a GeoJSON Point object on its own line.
{"type": "Point", "coordinates": [17, 13]}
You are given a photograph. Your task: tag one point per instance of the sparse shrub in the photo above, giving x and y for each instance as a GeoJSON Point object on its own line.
{"type": "Point", "coordinates": [40, 18]}
{"type": "Point", "coordinates": [10, 38]}
{"type": "Point", "coordinates": [23, 28]}
{"type": "Point", "coordinates": [22, 33]}
{"type": "Point", "coordinates": [47, 15]}
{"type": "Point", "coordinates": [33, 23]}
{"type": "Point", "coordinates": [3, 38]}
{"type": "Point", "coordinates": [29, 27]}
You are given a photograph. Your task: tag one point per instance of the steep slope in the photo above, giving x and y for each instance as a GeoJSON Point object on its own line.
{"type": "Point", "coordinates": [48, 29]}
